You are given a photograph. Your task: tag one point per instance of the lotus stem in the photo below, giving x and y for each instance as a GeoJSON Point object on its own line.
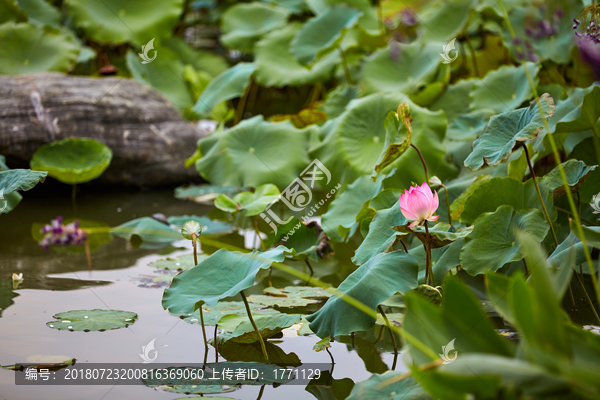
{"type": "Point", "coordinates": [447, 204]}
{"type": "Point", "coordinates": [559, 165]}
{"type": "Point", "coordinates": [403, 245]}
{"type": "Point", "coordinates": [428, 269]}
{"type": "Point", "coordinates": [473, 59]}
{"type": "Point", "coordinates": [526, 269]}
{"type": "Point", "coordinates": [312, 271]}
{"type": "Point", "coordinates": [73, 196]}
{"type": "Point", "coordinates": [216, 344]}
{"type": "Point", "coordinates": [194, 247]}
{"type": "Point", "coordinates": [345, 64]}
{"type": "Point", "coordinates": [352, 339]}
{"type": "Point", "coordinates": [194, 241]}
{"type": "Point", "coordinates": [242, 103]}
{"type": "Point", "coordinates": [258, 233]}
{"type": "Point", "coordinates": [260, 338]}
{"type": "Point", "coordinates": [422, 161]}
{"type": "Point", "coordinates": [332, 360]}
{"type": "Point", "coordinates": [88, 253]}
{"type": "Point", "coordinates": [387, 323]}
{"type": "Point", "coordinates": [260, 393]}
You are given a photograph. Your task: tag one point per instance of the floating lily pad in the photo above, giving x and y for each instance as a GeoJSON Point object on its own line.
{"type": "Point", "coordinates": [72, 160]}
{"type": "Point", "coordinates": [92, 320]}
{"type": "Point", "coordinates": [48, 366]}
{"type": "Point", "coordinates": [268, 326]}
{"type": "Point", "coordinates": [203, 194]}
{"type": "Point", "coordinates": [214, 314]}
{"type": "Point", "coordinates": [441, 234]}
{"type": "Point", "coordinates": [233, 351]}
{"type": "Point", "coordinates": [148, 231]}
{"type": "Point", "coordinates": [249, 203]}
{"type": "Point", "coordinates": [305, 292]}
{"type": "Point", "coordinates": [281, 301]}
{"type": "Point", "coordinates": [507, 131]}
{"type": "Point", "coordinates": [209, 226]}
{"type": "Point", "coordinates": [181, 263]}
{"type": "Point", "coordinates": [391, 385]}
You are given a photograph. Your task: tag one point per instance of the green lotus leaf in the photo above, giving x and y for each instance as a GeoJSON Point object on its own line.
{"type": "Point", "coordinates": [201, 60]}
{"type": "Point", "coordinates": [592, 236]}
{"type": "Point", "coordinates": [180, 263]}
{"type": "Point", "coordinates": [148, 230]}
{"type": "Point", "coordinates": [308, 240]}
{"type": "Point", "coordinates": [203, 194]}
{"type": "Point", "coordinates": [250, 155]}
{"type": "Point", "coordinates": [304, 118]}
{"type": "Point", "coordinates": [579, 112]}
{"type": "Point", "coordinates": [493, 242]}
{"type": "Point", "coordinates": [504, 89]}
{"type": "Point", "coordinates": [442, 21]}
{"type": "Point", "coordinates": [368, 22]}
{"type": "Point", "coordinates": [117, 21]}
{"type": "Point", "coordinates": [52, 366]}
{"type": "Point", "coordinates": [381, 236]}
{"type": "Point", "coordinates": [72, 160]}
{"type": "Point", "coordinates": [577, 173]}
{"type": "Point", "coordinates": [205, 281]}
{"type": "Point", "coordinates": [41, 12]}
{"type": "Point", "coordinates": [197, 386]}
{"type": "Point", "coordinates": [322, 344]}
{"type": "Point", "coordinates": [398, 134]}
{"type": "Point", "coordinates": [336, 101]}
{"type": "Point", "coordinates": [268, 326]}
{"type": "Point", "coordinates": [230, 84]}
{"type": "Point", "coordinates": [302, 292]}
{"type": "Point", "coordinates": [28, 48]}
{"type": "Point", "coordinates": [209, 227]}
{"type": "Point", "coordinates": [441, 234]}
{"type": "Point", "coordinates": [233, 351]}
{"type": "Point", "coordinates": [498, 191]}
{"type": "Point", "coordinates": [341, 219]}
{"type": "Point", "coordinates": [507, 131]}
{"type": "Point", "coordinates": [277, 67]}
{"type": "Point", "coordinates": [249, 203]}
{"type": "Point", "coordinates": [286, 302]}
{"type": "Point", "coordinates": [399, 388]}
{"type": "Point", "coordinates": [10, 11]}
{"type": "Point", "coordinates": [224, 309]}
{"type": "Point", "coordinates": [321, 34]}
{"type": "Point", "coordinates": [295, 6]}
{"type": "Point", "coordinates": [165, 74]}
{"type": "Point", "coordinates": [390, 272]}
{"type": "Point", "coordinates": [570, 252]}
{"type": "Point", "coordinates": [458, 205]}
{"type": "Point", "coordinates": [20, 179]}
{"type": "Point", "coordinates": [443, 259]}
{"type": "Point", "coordinates": [415, 65]}
{"type": "Point", "coordinates": [245, 23]}
{"type": "Point", "coordinates": [92, 320]}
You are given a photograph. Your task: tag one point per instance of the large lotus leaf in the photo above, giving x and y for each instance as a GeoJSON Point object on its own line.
{"type": "Point", "coordinates": [508, 130]}
{"type": "Point", "coordinates": [287, 302]}
{"type": "Point", "coordinates": [460, 316]}
{"type": "Point", "coordinates": [180, 263]}
{"type": "Point", "coordinates": [250, 154]}
{"type": "Point", "coordinates": [302, 292]}
{"type": "Point", "coordinates": [72, 160]}
{"type": "Point", "coordinates": [555, 47]}
{"type": "Point", "coordinates": [223, 274]}
{"type": "Point", "coordinates": [443, 259]}
{"type": "Point", "coordinates": [443, 21]}
{"type": "Point", "coordinates": [504, 89]}
{"type": "Point", "coordinates": [580, 111]}
{"type": "Point", "coordinates": [440, 235]}
{"type": "Point", "coordinates": [209, 227]}
{"type": "Point", "coordinates": [295, 6]}
{"type": "Point", "coordinates": [20, 179]}
{"type": "Point", "coordinates": [203, 194]}
{"type": "Point", "coordinates": [381, 234]}
{"type": "Point", "coordinates": [201, 60]}
{"type": "Point", "coordinates": [120, 21]}
{"type": "Point", "coordinates": [372, 283]}
{"type": "Point", "coordinates": [41, 12]}
{"type": "Point", "coordinates": [199, 385]}
{"type": "Point", "coordinates": [577, 173]}
{"type": "Point", "coordinates": [223, 309]}
{"type": "Point", "coordinates": [398, 134]}
{"type": "Point", "coordinates": [276, 66]}
{"type": "Point", "coordinates": [233, 351]}
{"type": "Point", "coordinates": [402, 388]}
{"type": "Point", "coordinates": [493, 242]}
{"type": "Point", "coordinates": [28, 48]}
{"type": "Point", "coordinates": [228, 85]}
{"type": "Point", "coordinates": [304, 118]}
{"type": "Point", "coordinates": [336, 101]}
{"type": "Point", "coordinates": [498, 191]}
{"type": "Point", "coordinates": [245, 23]}
{"type": "Point", "coordinates": [458, 205]}
{"type": "Point", "coordinates": [249, 203]}
{"type": "Point", "coordinates": [10, 11]}
{"type": "Point", "coordinates": [268, 326]}
{"type": "Point", "coordinates": [165, 74]}
{"type": "Point", "coordinates": [148, 230]}
{"type": "Point", "coordinates": [303, 238]}
{"type": "Point", "coordinates": [92, 320]}
{"type": "Point", "coordinates": [367, 23]}
{"type": "Point", "coordinates": [323, 33]}
{"type": "Point", "coordinates": [340, 221]}
{"type": "Point", "coordinates": [400, 67]}
{"type": "Point", "coordinates": [570, 252]}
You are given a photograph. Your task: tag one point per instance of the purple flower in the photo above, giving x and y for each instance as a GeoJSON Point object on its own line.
{"type": "Point", "coordinates": [57, 234]}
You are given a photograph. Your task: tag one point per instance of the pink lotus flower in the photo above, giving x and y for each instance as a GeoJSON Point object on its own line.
{"type": "Point", "coordinates": [418, 204]}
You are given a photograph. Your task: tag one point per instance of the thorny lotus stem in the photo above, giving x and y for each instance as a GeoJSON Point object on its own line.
{"type": "Point", "coordinates": [422, 160]}
{"type": "Point", "coordinates": [537, 188]}
{"type": "Point", "coordinates": [561, 169]}
{"type": "Point", "coordinates": [428, 269]}
{"type": "Point", "coordinates": [194, 245]}
{"type": "Point", "coordinates": [447, 203]}
{"type": "Point", "coordinates": [387, 323]}
{"type": "Point", "coordinates": [260, 338]}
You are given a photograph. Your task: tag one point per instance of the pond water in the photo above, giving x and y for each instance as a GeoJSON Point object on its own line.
{"type": "Point", "coordinates": [121, 279]}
